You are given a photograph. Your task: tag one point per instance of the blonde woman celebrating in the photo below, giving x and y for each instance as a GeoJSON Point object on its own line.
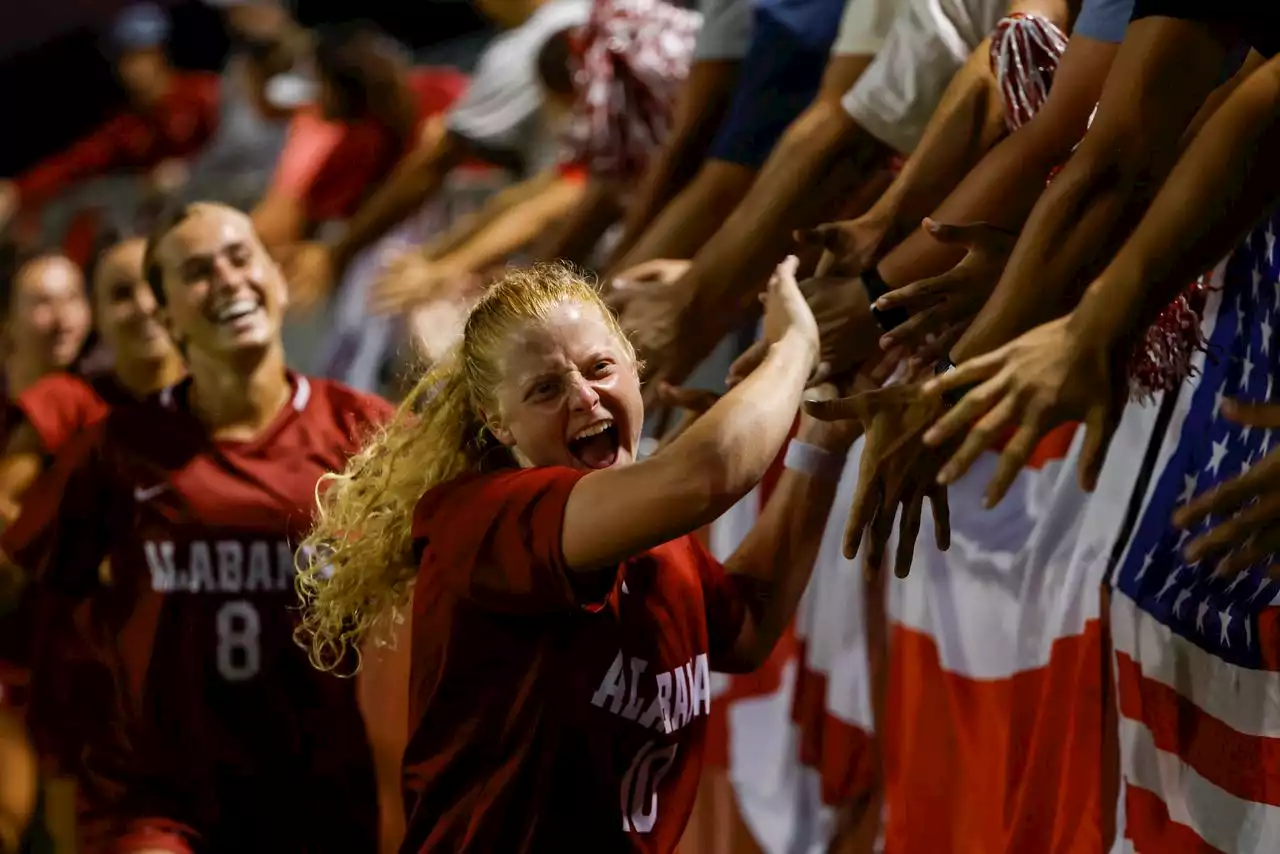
{"type": "Point", "coordinates": [565, 622]}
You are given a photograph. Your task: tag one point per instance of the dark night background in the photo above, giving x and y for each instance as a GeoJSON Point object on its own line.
{"type": "Point", "coordinates": [55, 85]}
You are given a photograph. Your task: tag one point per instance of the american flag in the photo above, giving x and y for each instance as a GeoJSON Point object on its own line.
{"type": "Point", "coordinates": [1197, 655]}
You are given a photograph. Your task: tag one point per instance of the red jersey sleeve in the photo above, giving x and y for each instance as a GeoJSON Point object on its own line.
{"type": "Point", "coordinates": [91, 156]}
{"type": "Point", "coordinates": [59, 406]}
{"type": "Point", "coordinates": [723, 596]}
{"type": "Point", "coordinates": [62, 534]}
{"type": "Point", "coordinates": [436, 89]}
{"type": "Point", "coordinates": [310, 142]}
{"type": "Point", "coordinates": [495, 539]}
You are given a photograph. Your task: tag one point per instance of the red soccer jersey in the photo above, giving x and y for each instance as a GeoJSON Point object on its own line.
{"type": "Point", "coordinates": [57, 407]}
{"type": "Point", "coordinates": [331, 167]}
{"type": "Point", "coordinates": [218, 723]}
{"type": "Point", "coordinates": [61, 405]}
{"type": "Point", "coordinates": [540, 721]}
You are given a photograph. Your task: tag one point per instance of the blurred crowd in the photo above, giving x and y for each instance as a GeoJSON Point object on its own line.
{"type": "Point", "coordinates": [1038, 241]}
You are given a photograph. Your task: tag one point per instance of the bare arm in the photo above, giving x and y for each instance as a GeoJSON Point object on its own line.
{"type": "Point", "coordinates": [779, 553]}
{"type": "Point", "coordinates": [279, 220]}
{"type": "Point", "coordinates": [1004, 187]}
{"type": "Point", "coordinates": [698, 113]}
{"type": "Point", "coordinates": [415, 179]}
{"type": "Point", "coordinates": [574, 238]}
{"type": "Point", "coordinates": [1162, 74]}
{"type": "Point", "coordinates": [711, 465]}
{"type": "Point", "coordinates": [968, 121]}
{"type": "Point", "coordinates": [21, 465]}
{"type": "Point", "coordinates": [1225, 181]}
{"type": "Point", "coordinates": [469, 226]}
{"type": "Point", "coordinates": [18, 783]}
{"type": "Point", "coordinates": [516, 227]}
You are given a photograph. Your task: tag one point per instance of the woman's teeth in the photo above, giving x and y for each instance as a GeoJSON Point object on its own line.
{"type": "Point", "coordinates": [235, 310]}
{"type": "Point", "coordinates": [593, 430]}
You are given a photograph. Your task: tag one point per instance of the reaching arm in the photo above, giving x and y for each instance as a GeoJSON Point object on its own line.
{"type": "Point", "coordinates": [516, 227]}
{"type": "Point", "coordinates": [18, 784]}
{"type": "Point", "coordinates": [574, 237]}
{"type": "Point", "coordinates": [469, 226]}
{"type": "Point", "coordinates": [90, 157]}
{"type": "Point", "coordinates": [1162, 74]}
{"type": "Point", "coordinates": [418, 177]}
{"type": "Point", "coordinates": [698, 113]}
{"type": "Point", "coordinates": [1002, 189]}
{"type": "Point", "coordinates": [23, 459]}
{"type": "Point", "coordinates": [1225, 181]}
{"type": "Point", "coordinates": [968, 121]}
{"type": "Point", "coordinates": [778, 555]}
{"type": "Point", "coordinates": [280, 220]}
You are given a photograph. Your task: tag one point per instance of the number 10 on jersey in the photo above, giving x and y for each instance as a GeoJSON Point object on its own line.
{"type": "Point", "coordinates": [640, 786]}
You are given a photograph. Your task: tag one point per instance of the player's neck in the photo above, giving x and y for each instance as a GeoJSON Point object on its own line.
{"type": "Point", "coordinates": [238, 402]}
{"type": "Point", "coordinates": [145, 376]}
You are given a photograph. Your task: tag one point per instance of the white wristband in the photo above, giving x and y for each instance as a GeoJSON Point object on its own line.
{"type": "Point", "coordinates": [813, 461]}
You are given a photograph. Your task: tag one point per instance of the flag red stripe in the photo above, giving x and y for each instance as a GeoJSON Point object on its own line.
{"type": "Point", "coordinates": [842, 753]}
{"type": "Point", "coordinates": [1148, 826]}
{"type": "Point", "coordinates": [1269, 638]}
{"type": "Point", "coordinates": [1244, 765]}
{"type": "Point", "coordinates": [1005, 764]}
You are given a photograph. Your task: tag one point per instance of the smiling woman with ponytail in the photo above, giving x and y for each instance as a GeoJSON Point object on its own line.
{"type": "Point", "coordinates": [565, 622]}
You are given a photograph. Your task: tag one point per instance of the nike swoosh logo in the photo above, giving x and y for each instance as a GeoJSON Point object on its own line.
{"type": "Point", "coordinates": [141, 494]}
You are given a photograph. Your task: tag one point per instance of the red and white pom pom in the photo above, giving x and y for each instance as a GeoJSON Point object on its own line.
{"type": "Point", "coordinates": [1162, 361]}
{"type": "Point", "coordinates": [1025, 50]}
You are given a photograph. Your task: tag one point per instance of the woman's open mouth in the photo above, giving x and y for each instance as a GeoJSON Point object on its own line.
{"type": "Point", "coordinates": [596, 447]}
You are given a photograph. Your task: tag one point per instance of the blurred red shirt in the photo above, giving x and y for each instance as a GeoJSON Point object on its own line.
{"type": "Point", "coordinates": [179, 126]}
{"type": "Point", "coordinates": [58, 407]}
{"type": "Point", "coordinates": [215, 729]}
{"type": "Point", "coordinates": [330, 167]}
{"type": "Point", "coordinates": [63, 404]}
{"type": "Point", "coordinates": [543, 720]}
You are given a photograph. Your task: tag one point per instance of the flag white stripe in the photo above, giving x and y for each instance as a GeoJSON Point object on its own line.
{"type": "Point", "coordinates": [1218, 817]}
{"type": "Point", "coordinates": [835, 643]}
{"type": "Point", "coordinates": [1244, 699]}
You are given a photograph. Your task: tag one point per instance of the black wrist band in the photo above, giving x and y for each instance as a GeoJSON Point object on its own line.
{"type": "Point", "coordinates": [876, 288]}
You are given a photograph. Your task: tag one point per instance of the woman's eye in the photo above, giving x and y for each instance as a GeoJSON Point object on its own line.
{"type": "Point", "coordinates": [602, 368]}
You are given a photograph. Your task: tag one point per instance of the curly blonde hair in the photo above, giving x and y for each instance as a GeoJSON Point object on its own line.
{"type": "Point", "coordinates": [356, 566]}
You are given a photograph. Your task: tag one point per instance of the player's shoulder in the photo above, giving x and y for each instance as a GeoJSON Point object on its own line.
{"type": "Point", "coordinates": [62, 384]}
{"type": "Point", "coordinates": [472, 491]}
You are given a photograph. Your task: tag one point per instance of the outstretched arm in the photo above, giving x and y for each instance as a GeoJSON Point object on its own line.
{"type": "Point", "coordinates": [1164, 71]}
{"type": "Point", "coordinates": [417, 178]}
{"type": "Point", "coordinates": [1004, 187]}
{"type": "Point", "coordinates": [20, 466]}
{"type": "Point", "coordinates": [1225, 181]}
{"type": "Point", "coordinates": [516, 227]}
{"type": "Point", "coordinates": [698, 112]}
